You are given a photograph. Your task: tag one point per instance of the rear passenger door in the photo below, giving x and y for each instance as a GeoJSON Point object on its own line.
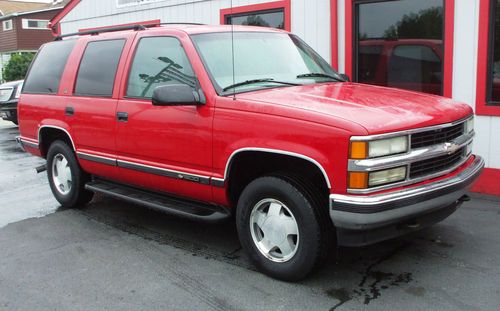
{"type": "Point", "coordinates": [168, 148]}
{"type": "Point", "coordinates": [91, 111]}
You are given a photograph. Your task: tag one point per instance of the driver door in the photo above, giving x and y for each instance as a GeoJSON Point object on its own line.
{"type": "Point", "coordinates": [167, 148]}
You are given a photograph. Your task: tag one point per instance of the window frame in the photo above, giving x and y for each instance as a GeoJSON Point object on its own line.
{"type": "Point", "coordinates": [256, 8]}
{"type": "Point", "coordinates": [5, 22]}
{"type": "Point", "coordinates": [25, 23]}
{"type": "Point", "coordinates": [75, 81]}
{"type": "Point", "coordinates": [131, 63]}
{"type": "Point", "coordinates": [448, 33]}
{"type": "Point", "coordinates": [484, 105]}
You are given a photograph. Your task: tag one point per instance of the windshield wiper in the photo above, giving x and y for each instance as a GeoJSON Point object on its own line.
{"type": "Point", "coordinates": [319, 75]}
{"type": "Point", "coordinates": [247, 82]}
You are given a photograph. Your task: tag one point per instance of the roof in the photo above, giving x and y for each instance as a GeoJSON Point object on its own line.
{"type": "Point", "coordinates": [14, 8]}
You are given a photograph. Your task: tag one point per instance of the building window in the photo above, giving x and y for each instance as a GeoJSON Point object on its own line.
{"type": "Point", "coordinates": [271, 14]}
{"type": "Point", "coordinates": [493, 91]}
{"type": "Point", "coordinates": [7, 25]}
{"type": "Point", "coordinates": [35, 24]}
{"type": "Point", "coordinates": [400, 44]}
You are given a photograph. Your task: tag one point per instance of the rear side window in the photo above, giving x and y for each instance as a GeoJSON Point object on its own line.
{"type": "Point", "coordinates": [97, 71]}
{"type": "Point", "coordinates": [47, 68]}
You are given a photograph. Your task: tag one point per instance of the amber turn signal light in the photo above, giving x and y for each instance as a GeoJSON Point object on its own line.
{"type": "Point", "coordinates": [358, 180]}
{"type": "Point", "coordinates": [358, 150]}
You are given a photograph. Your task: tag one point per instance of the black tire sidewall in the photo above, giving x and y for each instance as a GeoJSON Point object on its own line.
{"type": "Point", "coordinates": [303, 262]}
{"type": "Point", "coordinates": [77, 191]}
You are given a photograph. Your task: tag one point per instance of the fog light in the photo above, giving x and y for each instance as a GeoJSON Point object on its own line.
{"type": "Point", "coordinates": [387, 176]}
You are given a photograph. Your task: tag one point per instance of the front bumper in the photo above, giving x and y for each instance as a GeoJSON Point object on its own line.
{"type": "Point", "coordinates": [8, 110]}
{"type": "Point", "coordinates": [367, 219]}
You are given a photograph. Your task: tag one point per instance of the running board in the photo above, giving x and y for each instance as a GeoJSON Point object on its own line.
{"type": "Point", "coordinates": [164, 203]}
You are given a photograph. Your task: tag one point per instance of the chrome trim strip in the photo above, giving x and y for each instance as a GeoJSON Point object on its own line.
{"type": "Point", "coordinates": [59, 128]}
{"type": "Point", "coordinates": [96, 158]}
{"type": "Point", "coordinates": [383, 198]}
{"type": "Point", "coordinates": [409, 132]}
{"type": "Point", "coordinates": [164, 172]}
{"type": "Point", "coordinates": [368, 165]}
{"type": "Point", "coordinates": [409, 181]}
{"type": "Point", "coordinates": [217, 182]}
{"type": "Point", "coordinates": [24, 142]}
{"type": "Point", "coordinates": [288, 153]}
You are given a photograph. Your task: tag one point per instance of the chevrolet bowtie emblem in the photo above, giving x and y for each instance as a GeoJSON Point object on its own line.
{"type": "Point", "coordinates": [451, 148]}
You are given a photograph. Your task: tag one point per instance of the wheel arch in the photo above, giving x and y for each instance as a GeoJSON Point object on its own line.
{"type": "Point", "coordinates": [316, 169]}
{"type": "Point", "coordinates": [49, 133]}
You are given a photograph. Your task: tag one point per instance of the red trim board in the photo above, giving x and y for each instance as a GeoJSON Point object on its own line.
{"type": "Point", "coordinates": [482, 62]}
{"type": "Point", "coordinates": [285, 4]}
{"type": "Point", "coordinates": [488, 182]}
{"type": "Point", "coordinates": [448, 42]}
{"type": "Point", "coordinates": [334, 29]}
{"type": "Point", "coordinates": [54, 25]}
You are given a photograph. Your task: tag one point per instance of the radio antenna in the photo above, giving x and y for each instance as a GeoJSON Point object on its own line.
{"type": "Point", "coordinates": [232, 51]}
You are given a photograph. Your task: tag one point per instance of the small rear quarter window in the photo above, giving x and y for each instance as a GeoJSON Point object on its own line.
{"type": "Point", "coordinates": [47, 68]}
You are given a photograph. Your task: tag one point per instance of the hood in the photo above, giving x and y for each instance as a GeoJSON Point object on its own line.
{"type": "Point", "coordinates": [377, 109]}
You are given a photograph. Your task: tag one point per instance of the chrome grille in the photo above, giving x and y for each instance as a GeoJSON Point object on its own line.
{"type": "Point", "coordinates": [438, 136]}
{"type": "Point", "coordinates": [435, 165]}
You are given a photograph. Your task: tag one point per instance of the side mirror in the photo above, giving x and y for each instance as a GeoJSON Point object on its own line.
{"type": "Point", "coordinates": [175, 95]}
{"type": "Point", "coordinates": [345, 77]}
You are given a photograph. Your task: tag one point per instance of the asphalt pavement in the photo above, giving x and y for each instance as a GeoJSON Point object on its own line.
{"type": "Point", "coordinates": [112, 255]}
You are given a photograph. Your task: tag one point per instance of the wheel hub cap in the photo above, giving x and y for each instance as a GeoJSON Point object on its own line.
{"type": "Point", "coordinates": [61, 174]}
{"type": "Point", "coordinates": [274, 230]}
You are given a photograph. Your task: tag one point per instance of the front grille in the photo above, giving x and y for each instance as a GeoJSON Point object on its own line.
{"type": "Point", "coordinates": [439, 136]}
{"type": "Point", "coordinates": [435, 165]}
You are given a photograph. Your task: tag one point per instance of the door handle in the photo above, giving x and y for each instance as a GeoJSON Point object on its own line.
{"type": "Point", "coordinates": [122, 116]}
{"type": "Point", "coordinates": [69, 111]}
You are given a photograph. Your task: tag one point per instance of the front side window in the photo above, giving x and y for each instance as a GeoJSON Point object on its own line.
{"type": "Point", "coordinates": [275, 59]}
{"type": "Point", "coordinates": [269, 18]}
{"type": "Point", "coordinates": [410, 34]}
{"type": "Point", "coordinates": [158, 61]}
{"type": "Point", "coordinates": [96, 75]}
{"type": "Point", "coordinates": [494, 75]}
{"type": "Point", "coordinates": [47, 68]}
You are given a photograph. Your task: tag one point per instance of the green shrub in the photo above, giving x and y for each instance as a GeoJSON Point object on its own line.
{"type": "Point", "coordinates": [17, 67]}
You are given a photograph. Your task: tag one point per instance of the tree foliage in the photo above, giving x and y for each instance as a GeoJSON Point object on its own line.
{"type": "Point", "coordinates": [426, 24]}
{"type": "Point", "coordinates": [17, 67]}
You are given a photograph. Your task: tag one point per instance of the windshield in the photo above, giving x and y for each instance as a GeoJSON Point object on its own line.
{"type": "Point", "coordinates": [261, 60]}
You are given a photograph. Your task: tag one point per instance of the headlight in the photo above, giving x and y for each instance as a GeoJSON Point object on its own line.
{"type": "Point", "coordinates": [18, 91]}
{"type": "Point", "coordinates": [469, 125]}
{"type": "Point", "coordinates": [387, 176]}
{"type": "Point", "coordinates": [363, 180]}
{"type": "Point", "coordinates": [378, 148]}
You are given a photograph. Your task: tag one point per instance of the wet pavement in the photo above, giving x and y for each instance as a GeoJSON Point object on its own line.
{"type": "Point", "coordinates": [117, 256]}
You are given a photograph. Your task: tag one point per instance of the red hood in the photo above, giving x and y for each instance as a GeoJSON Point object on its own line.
{"type": "Point", "coordinates": [377, 109]}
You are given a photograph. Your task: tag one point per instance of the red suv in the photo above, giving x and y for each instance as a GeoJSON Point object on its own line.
{"type": "Point", "coordinates": [211, 124]}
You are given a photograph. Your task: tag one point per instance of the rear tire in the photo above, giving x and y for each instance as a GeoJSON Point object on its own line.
{"type": "Point", "coordinates": [266, 213]}
{"type": "Point", "coordinates": [66, 178]}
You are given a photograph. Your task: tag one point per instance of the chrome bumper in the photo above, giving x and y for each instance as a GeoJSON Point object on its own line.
{"type": "Point", "coordinates": [366, 212]}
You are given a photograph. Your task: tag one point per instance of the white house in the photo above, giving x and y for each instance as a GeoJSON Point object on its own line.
{"type": "Point", "coordinates": [446, 47]}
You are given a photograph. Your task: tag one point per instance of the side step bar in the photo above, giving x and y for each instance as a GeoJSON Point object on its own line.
{"type": "Point", "coordinates": [176, 206]}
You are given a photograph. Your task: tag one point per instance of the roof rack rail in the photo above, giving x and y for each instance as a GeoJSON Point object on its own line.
{"type": "Point", "coordinates": [137, 27]}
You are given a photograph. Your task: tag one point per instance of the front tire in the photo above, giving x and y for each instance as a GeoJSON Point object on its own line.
{"type": "Point", "coordinates": [66, 178]}
{"type": "Point", "coordinates": [282, 228]}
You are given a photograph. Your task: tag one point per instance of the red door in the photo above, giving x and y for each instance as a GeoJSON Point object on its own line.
{"type": "Point", "coordinates": [91, 111]}
{"type": "Point", "coordinates": [168, 148]}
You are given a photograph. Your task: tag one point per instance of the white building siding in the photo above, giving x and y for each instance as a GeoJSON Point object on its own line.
{"type": "Point", "coordinates": [311, 21]}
